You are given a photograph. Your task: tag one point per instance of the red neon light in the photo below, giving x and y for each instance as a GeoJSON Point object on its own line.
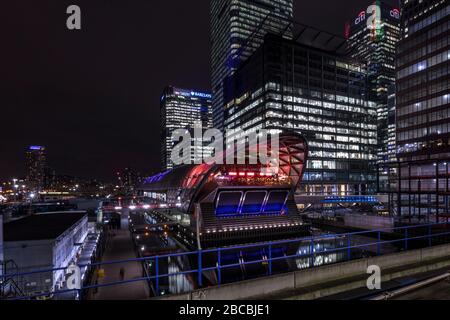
{"type": "Point", "coordinates": [242, 174]}
{"type": "Point", "coordinates": [251, 174]}
{"type": "Point", "coordinates": [233, 174]}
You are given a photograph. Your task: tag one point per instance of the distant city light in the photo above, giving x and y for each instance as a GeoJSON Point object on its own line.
{"type": "Point", "coordinates": [36, 148]}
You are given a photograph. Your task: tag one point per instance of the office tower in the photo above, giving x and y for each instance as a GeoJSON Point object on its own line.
{"type": "Point", "coordinates": [237, 30]}
{"type": "Point", "coordinates": [318, 93]}
{"type": "Point", "coordinates": [182, 109]}
{"type": "Point", "coordinates": [372, 38]}
{"type": "Point", "coordinates": [36, 162]}
{"type": "Point", "coordinates": [128, 179]}
{"type": "Point", "coordinates": [49, 178]}
{"type": "Point", "coordinates": [391, 123]}
{"type": "Point", "coordinates": [420, 188]}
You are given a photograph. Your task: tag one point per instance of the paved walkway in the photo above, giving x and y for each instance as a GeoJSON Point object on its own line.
{"type": "Point", "coordinates": [120, 247]}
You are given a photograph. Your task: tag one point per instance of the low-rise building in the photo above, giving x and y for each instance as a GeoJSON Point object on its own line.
{"type": "Point", "coordinates": [42, 242]}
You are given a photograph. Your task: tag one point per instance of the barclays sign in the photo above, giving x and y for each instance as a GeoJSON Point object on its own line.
{"type": "Point", "coordinates": [201, 95]}
{"type": "Point", "coordinates": [195, 94]}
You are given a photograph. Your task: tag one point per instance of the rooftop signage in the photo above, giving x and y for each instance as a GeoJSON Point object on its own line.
{"type": "Point", "coordinates": [379, 12]}
{"type": "Point", "coordinates": [395, 13]}
{"type": "Point", "coordinates": [195, 94]}
{"type": "Point", "coordinates": [36, 148]}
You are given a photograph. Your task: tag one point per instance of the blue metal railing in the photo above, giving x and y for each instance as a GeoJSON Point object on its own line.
{"type": "Point", "coordinates": [212, 259]}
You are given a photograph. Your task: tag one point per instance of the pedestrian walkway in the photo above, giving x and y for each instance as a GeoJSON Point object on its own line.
{"type": "Point", "coordinates": [121, 248]}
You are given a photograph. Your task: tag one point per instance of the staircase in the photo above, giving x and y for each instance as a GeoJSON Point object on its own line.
{"type": "Point", "coordinates": [9, 286]}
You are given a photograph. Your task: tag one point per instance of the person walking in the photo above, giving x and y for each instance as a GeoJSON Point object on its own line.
{"type": "Point", "coordinates": [122, 274]}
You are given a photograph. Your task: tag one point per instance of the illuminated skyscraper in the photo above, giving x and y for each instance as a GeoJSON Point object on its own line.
{"type": "Point", "coordinates": [36, 162]}
{"type": "Point", "coordinates": [318, 93]}
{"type": "Point", "coordinates": [237, 30]}
{"type": "Point", "coordinates": [372, 39]}
{"type": "Point", "coordinates": [182, 109]}
{"type": "Point", "coordinates": [420, 186]}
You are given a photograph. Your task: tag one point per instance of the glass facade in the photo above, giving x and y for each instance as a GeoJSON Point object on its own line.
{"type": "Point", "coordinates": [423, 118]}
{"type": "Point", "coordinates": [392, 133]}
{"type": "Point", "coordinates": [286, 86]}
{"type": "Point", "coordinates": [419, 182]}
{"type": "Point", "coordinates": [237, 30]}
{"type": "Point", "coordinates": [182, 109]}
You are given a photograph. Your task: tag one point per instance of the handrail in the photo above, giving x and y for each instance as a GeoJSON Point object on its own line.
{"type": "Point", "coordinates": [268, 258]}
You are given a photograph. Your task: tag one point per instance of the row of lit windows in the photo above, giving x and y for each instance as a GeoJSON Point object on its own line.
{"type": "Point", "coordinates": [429, 20]}
{"type": "Point", "coordinates": [416, 134]}
{"type": "Point", "coordinates": [420, 66]}
{"type": "Point", "coordinates": [422, 51]}
{"type": "Point", "coordinates": [423, 119]}
{"type": "Point", "coordinates": [332, 176]}
{"type": "Point", "coordinates": [433, 74]}
{"type": "Point", "coordinates": [425, 105]}
{"type": "Point", "coordinates": [303, 109]}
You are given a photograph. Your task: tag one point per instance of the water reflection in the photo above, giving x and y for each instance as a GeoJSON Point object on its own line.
{"type": "Point", "coordinates": [238, 265]}
{"type": "Point", "coordinates": [179, 283]}
{"type": "Point", "coordinates": [319, 254]}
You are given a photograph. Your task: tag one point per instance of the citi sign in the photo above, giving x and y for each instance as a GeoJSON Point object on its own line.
{"type": "Point", "coordinates": [374, 14]}
{"type": "Point", "coordinates": [395, 13]}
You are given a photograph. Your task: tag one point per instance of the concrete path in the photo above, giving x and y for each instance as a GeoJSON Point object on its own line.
{"type": "Point", "coordinates": [121, 248]}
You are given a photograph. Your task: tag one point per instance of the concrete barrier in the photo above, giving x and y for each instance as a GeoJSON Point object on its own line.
{"type": "Point", "coordinates": [321, 275]}
{"type": "Point", "coordinates": [247, 289]}
{"type": "Point", "coordinates": [310, 277]}
{"type": "Point", "coordinates": [397, 259]}
{"type": "Point", "coordinates": [435, 252]}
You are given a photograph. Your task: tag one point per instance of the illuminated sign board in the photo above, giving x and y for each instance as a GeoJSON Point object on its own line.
{"type": "Point", "coordinates": [195, 94]}
{"type": "Point", "coordinates": [200, 94]}
{"type": "Point", "coordinates": [374, 12]}
{"type": "Point", "coordinates": [360, 18]}
{"type": "Point", "coordinates": [36, 148]}
{"type": "Point", "coordinates": [395, 13]}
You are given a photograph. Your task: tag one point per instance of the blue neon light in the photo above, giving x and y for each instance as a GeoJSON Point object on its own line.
{"type": "Point", "coordinates": [351, 199]}
{"type": "Point", "coordinates": [197, 94]}
{"type": "Point", "coordinates": [156, 178]}
{"type": "Point", "coordinates": [36, 148]}
{"type": "Point", "coordinates": [272, 207]}
{"type": "Point", "coordinates": [251, 210]}
{"type": "Point", "coordinates": [227, 210]}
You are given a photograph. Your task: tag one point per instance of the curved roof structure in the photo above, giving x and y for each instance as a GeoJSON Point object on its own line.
{"type": "Point", "coordinates": [184, 184]}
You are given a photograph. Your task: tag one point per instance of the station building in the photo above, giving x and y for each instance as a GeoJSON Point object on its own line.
{"type": "Point", "coordinates": [225, 204]}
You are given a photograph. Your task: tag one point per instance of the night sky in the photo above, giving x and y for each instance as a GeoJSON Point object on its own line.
{"type": "Point", "coordinates": [92, 96]}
